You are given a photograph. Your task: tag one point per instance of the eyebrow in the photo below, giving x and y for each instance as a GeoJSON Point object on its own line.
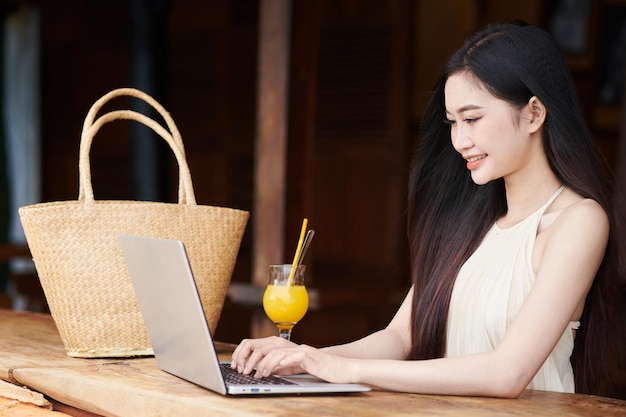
{"type": "Point", "coordinates": [466, 108]}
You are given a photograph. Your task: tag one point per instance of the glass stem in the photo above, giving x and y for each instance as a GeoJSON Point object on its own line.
{"type": "Point", "coordinates": [285, 334]}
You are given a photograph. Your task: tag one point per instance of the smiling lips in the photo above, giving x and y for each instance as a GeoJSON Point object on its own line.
{"type": "Point", "coordinates": [474, 162]}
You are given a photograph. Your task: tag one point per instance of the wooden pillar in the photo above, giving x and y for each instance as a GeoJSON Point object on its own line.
{"type": "Point", "coordinates": [305, 37]}
{"type": "Point", "coordinates": [268, 215]}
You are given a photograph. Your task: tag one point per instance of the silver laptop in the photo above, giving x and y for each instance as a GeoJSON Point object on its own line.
{"type": "Point", "coordinates": [166, 291]}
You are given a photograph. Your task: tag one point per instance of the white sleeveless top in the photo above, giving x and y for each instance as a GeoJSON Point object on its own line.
{"type": "Point", "coordinates": [488, 293]}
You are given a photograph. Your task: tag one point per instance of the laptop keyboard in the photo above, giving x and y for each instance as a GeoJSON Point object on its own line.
{"type": "Point", "coordinates": [231, 376]}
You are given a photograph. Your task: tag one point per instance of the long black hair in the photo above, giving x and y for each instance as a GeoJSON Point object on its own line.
{"type": "Point", "coordinates": [449, 215]}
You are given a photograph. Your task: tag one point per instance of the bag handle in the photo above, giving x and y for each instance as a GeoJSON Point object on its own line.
{"type": "Point", "coordinates": [91, 126]}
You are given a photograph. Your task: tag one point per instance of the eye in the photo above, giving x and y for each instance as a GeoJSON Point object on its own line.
{"type": "Point", "coordinates": [470, 120]}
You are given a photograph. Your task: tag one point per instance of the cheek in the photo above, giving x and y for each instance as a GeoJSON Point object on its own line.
{"type": "Point", "coordinates": [512, 151]}
{"type": "Point", "coordinates": [506, 140]}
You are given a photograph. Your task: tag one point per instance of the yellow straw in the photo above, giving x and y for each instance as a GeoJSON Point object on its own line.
{"type": "Point", "coordinates": [298, 250]}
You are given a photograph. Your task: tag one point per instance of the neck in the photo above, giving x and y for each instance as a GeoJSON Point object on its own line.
{"type": "Point", "coordinates": [527, 191]}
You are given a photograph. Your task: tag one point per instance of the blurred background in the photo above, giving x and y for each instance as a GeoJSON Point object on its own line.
{"type": "Point", "coordinates": [329, 93]}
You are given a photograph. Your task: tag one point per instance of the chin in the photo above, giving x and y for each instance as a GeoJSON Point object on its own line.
{"type": "Point", "coordinates": [480, 180]}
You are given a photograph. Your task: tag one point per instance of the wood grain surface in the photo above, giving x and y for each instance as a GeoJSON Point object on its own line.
{"type": "Point", "coordinates": [32, 355]}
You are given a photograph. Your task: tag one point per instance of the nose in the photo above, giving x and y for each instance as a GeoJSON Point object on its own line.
{"type": "Point", "coordinates": [460, 138]}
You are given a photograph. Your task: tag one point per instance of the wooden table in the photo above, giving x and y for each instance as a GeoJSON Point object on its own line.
{"type": "Point", "coordinates": [32, 355]}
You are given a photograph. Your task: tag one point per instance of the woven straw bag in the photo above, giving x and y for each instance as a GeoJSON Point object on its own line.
{"type": "Point", "coordinates": [80, 263]}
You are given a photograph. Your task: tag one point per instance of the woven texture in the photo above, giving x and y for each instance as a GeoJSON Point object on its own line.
{"type": "Point", "coordinates": [80, 263]}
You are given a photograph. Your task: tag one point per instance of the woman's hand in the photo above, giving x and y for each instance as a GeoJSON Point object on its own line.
{"type": "Point", "coordinates": [251, 351]}
{"type": "Point", "coordinates": [274, 355]}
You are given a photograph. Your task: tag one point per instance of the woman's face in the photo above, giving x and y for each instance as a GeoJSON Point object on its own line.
{"type": "Point", "coordinates": [488, 132]}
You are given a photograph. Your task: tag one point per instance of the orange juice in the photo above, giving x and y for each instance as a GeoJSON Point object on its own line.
{"type": "Point", "coordinates": [285, 304]}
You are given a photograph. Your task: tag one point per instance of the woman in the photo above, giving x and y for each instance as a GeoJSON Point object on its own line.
{"type": "Point", "coordinates": [512, 240]}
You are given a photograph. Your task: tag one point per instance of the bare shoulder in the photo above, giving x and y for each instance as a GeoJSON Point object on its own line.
{"type": "Point", "coordinates": [584, 212]}
{"type": "Point", "coordinates": [575, 225]}
{"type": "Point", "coordinates": [574, 213]}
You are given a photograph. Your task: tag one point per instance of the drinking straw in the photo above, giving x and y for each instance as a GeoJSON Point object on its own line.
{"type": "Point", "coordinates": [298, 250]}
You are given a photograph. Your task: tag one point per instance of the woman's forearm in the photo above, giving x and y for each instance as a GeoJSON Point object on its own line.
{"type": "Point", "coordinates": [476, 375]}
{"type": "Point", "coordinates": [384, 344]}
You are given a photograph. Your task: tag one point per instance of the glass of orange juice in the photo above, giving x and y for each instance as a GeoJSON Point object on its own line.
{"type": "Point", "coordinates": [285, 302]}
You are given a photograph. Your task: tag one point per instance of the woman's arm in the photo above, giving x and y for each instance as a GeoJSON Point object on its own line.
{"type": "Point", "coordinates": [565, 273]}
